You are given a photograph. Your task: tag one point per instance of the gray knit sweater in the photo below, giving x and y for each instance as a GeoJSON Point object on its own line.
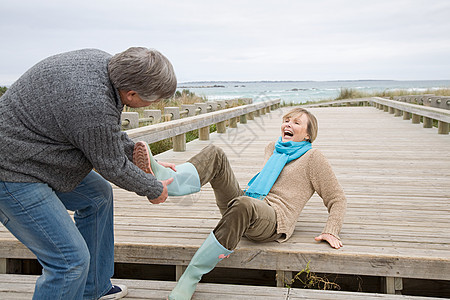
{"type": "Point", "coordinates": [61, 119]}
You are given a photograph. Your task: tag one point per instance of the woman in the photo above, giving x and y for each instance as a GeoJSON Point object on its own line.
{"type": "Point", "coordinates": [269, 208]}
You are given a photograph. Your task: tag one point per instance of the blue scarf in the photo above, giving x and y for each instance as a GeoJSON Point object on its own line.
{"type": "Point", "coordinates": [284, 152]}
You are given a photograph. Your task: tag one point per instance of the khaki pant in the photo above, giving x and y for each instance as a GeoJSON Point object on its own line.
{"type": "Point", "coordinates": [241, 215]}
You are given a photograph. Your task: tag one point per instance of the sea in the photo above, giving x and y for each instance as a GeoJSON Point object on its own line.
{"type": "Point", "coordinates": [298, 92]}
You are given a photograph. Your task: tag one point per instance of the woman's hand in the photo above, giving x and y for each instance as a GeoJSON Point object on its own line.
{"type": "Point", "coordinates": [167, 165]}
{"type": "Point", "coordinates": [331, 239]}
{"type": "Point", "coordinates": [164, 193]}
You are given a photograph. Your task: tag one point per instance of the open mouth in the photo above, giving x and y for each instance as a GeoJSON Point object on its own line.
{"type": "Point", "coordinates": [288, 134]}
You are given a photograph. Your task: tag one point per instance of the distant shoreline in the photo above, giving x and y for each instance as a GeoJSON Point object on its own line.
{"type": "Point", "coordinates": [286, 81]}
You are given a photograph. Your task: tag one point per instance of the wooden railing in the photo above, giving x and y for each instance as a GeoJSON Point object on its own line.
{"type": "Point", "coordinates": [176, 129]}
{"type": "Point", "coordinates": [415, 112]}
{"type": "Point", "coordinates": [426, 100]}
{"type": "Point", "coordinates": [132, 120]}
{"type": "Point", "coordinates": [425, 107]}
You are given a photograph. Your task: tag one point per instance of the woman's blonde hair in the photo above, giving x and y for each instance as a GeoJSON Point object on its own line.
{"type": "Point", "coordinates": [312, 126]}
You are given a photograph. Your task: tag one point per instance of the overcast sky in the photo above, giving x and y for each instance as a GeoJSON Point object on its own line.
{"type": "Point", "coordinates": [240, 40]}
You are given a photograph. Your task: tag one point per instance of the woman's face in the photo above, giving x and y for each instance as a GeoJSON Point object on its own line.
{"type": "Point", "coordinates": [294, 128]}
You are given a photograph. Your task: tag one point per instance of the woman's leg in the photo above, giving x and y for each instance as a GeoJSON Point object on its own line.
{"type": "Point", "coordinates": [213, 166]}
{"type": "Point", "coordinates": [35, 215]}
{"type": "Point", "coordinates": [92, 202]}
{"type": "Point", "coordinates": [246, 216]}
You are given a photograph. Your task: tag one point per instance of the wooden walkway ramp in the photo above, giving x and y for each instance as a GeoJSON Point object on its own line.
{"type": "Point", "coordinates": [395, 174]}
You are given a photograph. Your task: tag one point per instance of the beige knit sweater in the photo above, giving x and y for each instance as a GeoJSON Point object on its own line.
{"type": "Point", "coordinates": [296, 184]}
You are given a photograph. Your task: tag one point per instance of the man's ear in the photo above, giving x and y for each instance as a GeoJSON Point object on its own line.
{"type": "Point", "coordinates": [131, 95]}
{"type": "Point", "coordinates": [127, 97]}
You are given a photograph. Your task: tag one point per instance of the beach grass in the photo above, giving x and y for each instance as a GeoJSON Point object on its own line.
{"type": "Point", "coordinates": [2, 90]}
{"type": "Point", "coordinates": [349, 93]}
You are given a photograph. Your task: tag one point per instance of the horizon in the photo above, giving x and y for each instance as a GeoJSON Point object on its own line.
{"type": "Point", "coordinates": [343, 80]}
{"type": "Point", "coordinates": [293, 81]}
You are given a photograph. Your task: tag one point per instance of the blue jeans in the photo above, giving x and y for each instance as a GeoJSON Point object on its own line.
{"type": "Point", "coordinates": [77, 258]}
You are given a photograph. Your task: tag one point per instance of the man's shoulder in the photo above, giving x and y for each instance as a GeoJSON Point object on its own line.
{"type": "Point", "coordinates": [83, 53]}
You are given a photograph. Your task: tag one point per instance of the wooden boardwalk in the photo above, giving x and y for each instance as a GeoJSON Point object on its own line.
{"type": "Point", "coordinates": [395, 174]}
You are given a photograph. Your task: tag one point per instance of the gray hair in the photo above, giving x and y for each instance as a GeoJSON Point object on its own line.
{"type": "Point", "coordinates": [145, 71]}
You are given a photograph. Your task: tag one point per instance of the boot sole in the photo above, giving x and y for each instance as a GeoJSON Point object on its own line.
{"type": "Point", "coordinates": [141, 157]}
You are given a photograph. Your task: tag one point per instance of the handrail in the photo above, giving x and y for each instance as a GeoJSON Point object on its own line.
{"type": "Point", "coordinates": [357, 101]}
{"type": "Point", "coordinates": [434, 113]}
{"type": "Point", "coordinates": [415, 111]}
{"type": "Point", "coordinates": [405, 109]}
{"type": "Point", "coordinates": [132, 120]}
{"type": "Point", "coordinates": [177, 128]}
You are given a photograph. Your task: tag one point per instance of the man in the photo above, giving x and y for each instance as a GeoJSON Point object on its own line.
{"type": "Point", "coordinates": [58, 122]}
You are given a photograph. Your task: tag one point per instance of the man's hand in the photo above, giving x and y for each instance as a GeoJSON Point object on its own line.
{"type": "Point", "coordinates": [164, 193]}
{"type": "Point", "coordinates": [332, 240]}
{"type": "Point", "coordinates": [167, 165]}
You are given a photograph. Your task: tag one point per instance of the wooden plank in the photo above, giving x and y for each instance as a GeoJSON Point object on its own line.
{"type": "Point", "coordinates": [22, 287]}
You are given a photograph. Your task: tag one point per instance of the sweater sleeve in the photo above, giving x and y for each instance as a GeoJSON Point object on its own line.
{"type": "Point", "coordinates": [326, 185]}
{"type": "Point", "coordinates": [104, 148]}
{"type": "Point", "coordinates": [128, 145]}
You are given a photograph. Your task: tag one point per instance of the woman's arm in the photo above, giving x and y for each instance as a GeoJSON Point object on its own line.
{"type": "Point", "coordinates": [326, 185]}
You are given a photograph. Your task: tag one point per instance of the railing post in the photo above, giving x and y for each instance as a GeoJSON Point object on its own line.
{"type": "Point", "coordinates": [222, 104]}
{"type": "Point", "coordinates": [243, 119]}
{"type": "Point", "coordinates": [398, 112]}
{"type": "Point", "coordinates": [406, 115]}
{"type": "Point", "coordinates": [221, 127]}
{"type": "Point", "coordinates": [203, 133]}
{"type": "Point", "coordinates": [190, 109]}
{"type": "Point", "coordinates": [445, 102]}
{"type": "Point", "coordinates": [213, 105]}
{"type": "Point", "coordinates": [154, 113]}
{"type": "Point", "coordinates": [391, 110]}
{"type": "Point", "coordinates": [233, 122]}
{"type": "Point", "coordinates": [443, 127]}
{"type": "Point", "coordinates": [415, 119]}
{"type": "Point", "coordinates": [132, 118]}
{"type": "Point", "coordinates": [427, 122]}
{"type": "Point", "coordinates": [179, 143]}
{"type": "Point", "coordinates": [174, 111]}
{"type": "Point", "coordinates": [250, 116]}
{"type": "Point", "coordinates": [385, 108]}
{"type": "Point", "coordinates": [203, 107]}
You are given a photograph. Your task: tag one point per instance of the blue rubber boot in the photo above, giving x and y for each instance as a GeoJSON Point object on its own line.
{"type": "Point", "coordinates": [204, 260]}
{"type": "Point", "coordinates": [185, 179]}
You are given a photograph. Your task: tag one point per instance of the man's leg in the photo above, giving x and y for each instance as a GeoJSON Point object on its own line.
{"type": "Point", "coordinates": [35, 215]}
{"type": "Point", "coordinates": [92, 202]}
{"type": "Point", "coordinates": [213, 166]}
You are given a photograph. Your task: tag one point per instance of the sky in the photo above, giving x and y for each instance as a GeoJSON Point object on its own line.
{"type": "Point", "coordinates": [240, 40]}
